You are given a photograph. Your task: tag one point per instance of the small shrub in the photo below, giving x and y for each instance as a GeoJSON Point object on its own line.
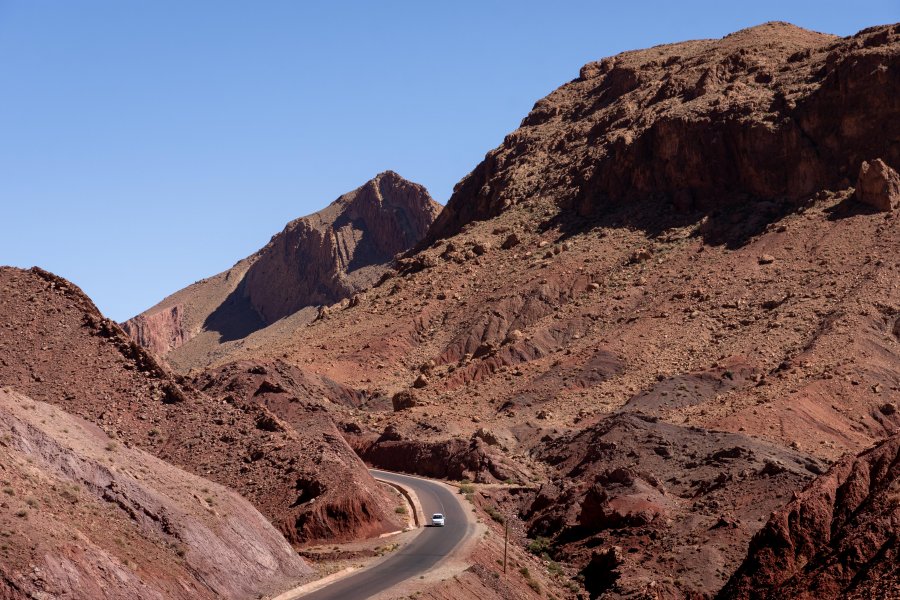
{"type": "Point", "coordinates": [495, 514]}
{"type": "Point", "coordinates": [539, 546]}
{"type": "Point", "coordinates": [22, 513]}
{"type": "Point", "coordinates": [466, 488]}
{"type": "Point", "coordinates": [400, 510]}
{"type": "Point", "coordinates": [111, 446]}
{"type": "Point", "coordinates": [9, 491]}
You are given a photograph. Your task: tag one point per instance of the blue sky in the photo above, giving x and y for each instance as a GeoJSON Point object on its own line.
{"type": "Point", "coordinates": [147, 144]}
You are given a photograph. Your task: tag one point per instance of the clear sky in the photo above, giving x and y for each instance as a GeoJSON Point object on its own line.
{"type": "Point", "coordinates": [147, 144]}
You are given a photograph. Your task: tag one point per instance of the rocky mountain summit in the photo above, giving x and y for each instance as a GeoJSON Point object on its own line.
{"type": "Point", "coordinates": [316, 260]}
{"type": "Point", "coordinates": [770, 112]}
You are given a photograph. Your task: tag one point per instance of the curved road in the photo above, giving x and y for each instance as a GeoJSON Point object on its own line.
{"type": "Point", "coordinates": [416, 557]}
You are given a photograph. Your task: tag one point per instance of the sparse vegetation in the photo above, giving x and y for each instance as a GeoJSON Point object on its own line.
{"type": "Point", "coordinates": [111, 446]}
{"type": "Point", "coordinates": [495, 514]}
{"type": "Point", "coordinates": [466, 488]}
{"type": "Point", "coordinates": [531, 581]}
{"type": "Point", "coordinates": [555, 568]}
{"type": "Point", "coordinates": [539, 546]}
{"type": "Point", "coordinates": [387, 548]}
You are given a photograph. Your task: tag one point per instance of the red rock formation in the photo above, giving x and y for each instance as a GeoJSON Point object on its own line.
{"type": "Point", "coordinates": [337, 499]}
{"type": "Point", "coordinates": [651, 487]}
{"type": "Point", "coordinates": [878, 185]}
{"type": "Point", "coordinates": [326, 256]}
{"type": "Point", "coordinates": [85, 517]}
{"type": "Point", "coordinates": [85, 364]}
{"type": "Point", "coordinates": [316, 260]}
{"type": "Point", "coordinates": [159, 332]}
{"type": "Point", "coordinates": [768, 112]}
{"type": "Point", "coordinates": [836, 539]}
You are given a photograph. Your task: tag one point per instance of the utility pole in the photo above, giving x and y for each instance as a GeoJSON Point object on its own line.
{"type": "Point", "coordinates": [505, 542]}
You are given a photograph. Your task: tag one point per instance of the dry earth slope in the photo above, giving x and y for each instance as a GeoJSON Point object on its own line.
{"type": "Point", "coordinates": [84, 517]}
{"type": "Point", "coordinates": [671, 290]}
{"type": "Point", "coordinates": [57, 348]}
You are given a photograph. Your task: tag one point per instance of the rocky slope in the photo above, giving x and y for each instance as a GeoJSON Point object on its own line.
{"type": "Point", "coordinates": [676, 235]}
{"type": "Point", "coordinates": [771, 112]}
{"type": "Point", "coordinates": [836, 539]}
{"type": "Point", "coordinates": [57, 348]}
{"type": "Point", "coordinates": [329, 486]}
{"type": "Point", "coordinates": [316, 260]}
{"type": "Point", "coordinates": [84, 517]}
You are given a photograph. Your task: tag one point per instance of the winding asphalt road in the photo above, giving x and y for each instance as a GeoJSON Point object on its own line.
{"type": "Point", "coordinates": [416, 557]}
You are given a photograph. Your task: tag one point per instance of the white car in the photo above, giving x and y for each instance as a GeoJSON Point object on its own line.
{"type": "Point", "coordinates": [437, 520]}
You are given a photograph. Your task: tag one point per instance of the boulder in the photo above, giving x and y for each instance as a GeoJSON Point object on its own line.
{"type": "Point", "coordinates": [403, 400]}
{"type": "Point", "coordinates": [488, 437]}
{"type": "Point", "coordinates": [878, 186]}
{"type": "Point", "coordinates": [514, 336]}
{"type": "Point", "coordinates": [511, 241]}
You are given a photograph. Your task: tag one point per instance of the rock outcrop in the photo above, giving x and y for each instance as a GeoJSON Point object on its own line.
{"type": "Point", "coordinates": [701, 123]}
{"type": "Point", "coordinates": [651, 487]}
{"type": "Point", "coordinates": [878, 185]}
{"type": "Point", "coordinates": [56, 347]}
{"type": "Point", "coordinates": [330, 255]}
{"type": "Point", "coordinates": [159, 332]}
{"type": "Point", "coordinates": [337, 499]}
{"type": "Point", "coordinates": [83, 516]}
{"type": "Point", "coordinates": [837, 539]}
{"type": "Point", "coordinates": [315, 261]}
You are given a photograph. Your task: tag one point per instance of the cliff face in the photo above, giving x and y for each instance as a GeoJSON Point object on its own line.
{"type": "Point", "coordinates": [329, 255]}
{"type": "Point", "coordinates": [316, 260]}
{"type": "Point", "coordinates": [160, 331]}
{"type": "Point", "coordinates": [835, 539]}
{"type": "Point", "coordinates": [769, 112]}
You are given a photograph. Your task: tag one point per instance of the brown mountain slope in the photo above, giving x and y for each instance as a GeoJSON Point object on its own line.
{"type": "Point", "coordinates": [774, 111]}
{"type": "Point", "coordinates": [836, 539]}
{"type": "Point", "coordinates": [316, 260]}
{"type": "Point", "coordinates": [675, 234]}
{"type": "Point", "coordinates": [56, 347]}
{"type": "Point", "coordinates": [84, 517]}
